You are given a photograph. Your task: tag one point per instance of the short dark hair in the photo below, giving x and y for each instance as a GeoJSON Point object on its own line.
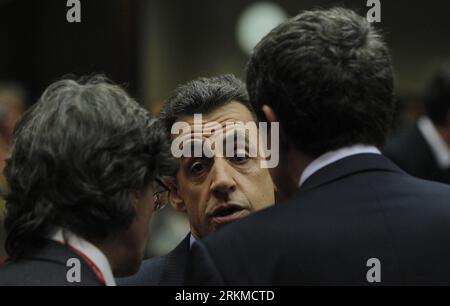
{"type": "Point", "coordinates": [328, 76]}
{"type": "Point", "coordinates": [77, 155]}
{"type": "Point", "coordinates": [437, 96]}
{"type": "Point", "coordinates": [203, 95]}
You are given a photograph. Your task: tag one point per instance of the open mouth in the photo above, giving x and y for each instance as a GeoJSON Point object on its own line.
{"type": "Point", "coordinates": [227, 213]}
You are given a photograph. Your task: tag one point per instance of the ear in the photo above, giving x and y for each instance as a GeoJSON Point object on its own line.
{"type": "Point", "coordinates": [269, 113]}
{"type": "Point", "coordinates": [135, 196]}
{"type": "Point", "coordinates": [174, 196]}
{"type": "Point", "coordinates": [272, 117]}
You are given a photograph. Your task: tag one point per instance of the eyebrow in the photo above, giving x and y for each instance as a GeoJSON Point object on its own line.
{"type": "Point", "coordinates": [230, 137]}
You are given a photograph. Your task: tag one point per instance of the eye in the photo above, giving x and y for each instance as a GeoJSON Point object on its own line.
{"type": "Point", "coordinates": [239, 159]}
{"type": "Point", "coordinates": [197, 168]}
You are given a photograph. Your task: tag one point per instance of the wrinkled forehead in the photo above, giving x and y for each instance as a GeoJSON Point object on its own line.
{"type": "Point", "coordinates": [216, 131]}
{"type": "Point", "coordinates": [227, 119]}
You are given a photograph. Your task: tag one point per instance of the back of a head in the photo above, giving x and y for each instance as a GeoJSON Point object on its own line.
{"type": "Point", "coordinates": [327, 74]}
{"type": "Point", "coordinates": [437, 96]}
{"type": "Point", "coordinates": [76, 156]}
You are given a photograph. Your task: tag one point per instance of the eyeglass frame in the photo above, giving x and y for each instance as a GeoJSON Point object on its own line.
{"type": "Point", "coordinates": [157, 194]}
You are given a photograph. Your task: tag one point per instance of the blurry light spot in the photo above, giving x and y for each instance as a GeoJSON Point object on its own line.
{"type": "Point", "coordinates": [256, 21]}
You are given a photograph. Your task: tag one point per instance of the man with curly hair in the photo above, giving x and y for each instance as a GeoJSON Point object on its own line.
{"type": "Point", "coordinates": [83, 175]}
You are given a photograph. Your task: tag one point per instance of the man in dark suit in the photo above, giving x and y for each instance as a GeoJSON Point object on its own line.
{"type": "Point", "coordinates": [213, 191]}
{"type": "Point", "coordinates": [83, 175]}
{"type": "Point", "coordinates": [352, 217]}
{"type": "Point", "coordinates": [424, 149]}
{"type": "Point", "coordinates": [166, 270]}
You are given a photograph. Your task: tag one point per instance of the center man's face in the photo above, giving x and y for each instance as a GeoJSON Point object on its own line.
{"type": "Point", "coordinates": [217, 190]}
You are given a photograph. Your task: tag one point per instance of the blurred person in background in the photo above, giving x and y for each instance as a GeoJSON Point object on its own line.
{"type": "Point", "coordinates": [424, 149]}
{"type": "Point", "coordinates": [12, 105]}
{"type": "Point", "coordinates": [83, 177]}
{"type": "Point", "coordinates": [211, 191]}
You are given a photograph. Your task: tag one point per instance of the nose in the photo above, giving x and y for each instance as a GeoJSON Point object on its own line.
{"type": "Point", "coordinates": [222, 179]}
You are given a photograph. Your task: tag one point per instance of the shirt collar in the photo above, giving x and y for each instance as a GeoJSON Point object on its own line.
{"type": "Point", "coordinates": [440, 149]}
{"type": "Point", "coordinates": [192, 240]}
{"type": "Point", "coordinates": [88, 249]}
{"type": "Point", "coordinates": [333, 156]}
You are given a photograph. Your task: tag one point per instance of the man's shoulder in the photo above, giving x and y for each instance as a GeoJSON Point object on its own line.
{"type": "Point", "coordinates": [407, 147]}
{"type": "Point", "coordinates": [430, 190]}
{"type": "Point", "coordinates": [46, 267]}
{"type": "Point", "coordinates": [32, 273]}
{"type": "Point", "coordinates": [149, 273]}
{"type": "Point", "coordinates": [166, 270]}
{"type": "Point", "coordinates": [408, 136]}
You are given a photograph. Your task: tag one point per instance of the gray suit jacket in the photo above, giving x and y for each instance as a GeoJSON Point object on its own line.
{"type": "Point", "coordinates": [45, 265]}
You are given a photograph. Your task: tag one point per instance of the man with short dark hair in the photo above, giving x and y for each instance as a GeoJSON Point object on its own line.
{"type": "Point", "coordinates": [213, 190]}
{"type": "Point", "coordinates": [424, 149]}
{"type": "Point", "coordinates": [83, 177]}
{"type": "Point", "coordinates": [352, 217]}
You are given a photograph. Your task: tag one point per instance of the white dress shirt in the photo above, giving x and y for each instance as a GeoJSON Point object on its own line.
{"type": "Point", "coordinates": [333, 156]}
{"type": "Point", "coordinates": [88, 249]}
{"type": "Point", "coordinates": [439, 148]}
{"type": "Point", "coordinates": [192, 240]}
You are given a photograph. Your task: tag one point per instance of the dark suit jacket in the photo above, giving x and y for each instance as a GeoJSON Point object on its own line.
{"type": "Point", "coordinates": [167, 270]}
{"type": "Point", "coordinates": [358, 208]}
{"type": "Point", "coordinates": [45, 266]}
{"type": "Point", "coordinates": [410, 151]}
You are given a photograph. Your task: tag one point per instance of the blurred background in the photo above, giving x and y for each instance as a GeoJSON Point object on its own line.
{"type": "Point", "coordinates": [150, 46]}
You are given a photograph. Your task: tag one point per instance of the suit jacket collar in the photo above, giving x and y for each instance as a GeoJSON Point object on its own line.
{"type": "Point", "coordinates": [52, 251]}
{"type": "Point", "coordinates": [183, 247]}
{"type": "Point", "coordinates": [176, 263]}
{"type": "Point", "coordinates": [92, 254]}
{"type": "Point", "coordinates": [335, 155]}
{"type": "Point", "coordinates": [349, 166]}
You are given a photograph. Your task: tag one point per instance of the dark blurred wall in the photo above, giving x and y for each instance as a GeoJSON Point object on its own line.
{"type": "Point", "coordinates": [39, 46]}
{"type": "Point", "coordinates": [155, 44]}
{"type": "Point", "coordinates": [186, 39]}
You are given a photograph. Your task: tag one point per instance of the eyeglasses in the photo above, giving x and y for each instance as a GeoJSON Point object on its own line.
{"type": "Point", "coordinates": [159, 197]}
